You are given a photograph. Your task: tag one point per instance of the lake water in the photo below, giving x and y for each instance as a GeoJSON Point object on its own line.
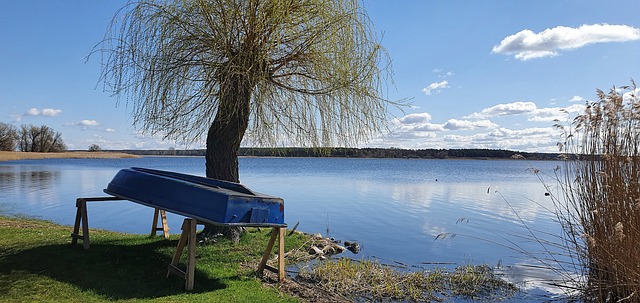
{"type": "Point", "coordinates": [394, 208]}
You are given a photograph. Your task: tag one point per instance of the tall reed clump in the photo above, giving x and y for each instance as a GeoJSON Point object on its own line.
{"type": "Point", "coordinates": [600, 210]}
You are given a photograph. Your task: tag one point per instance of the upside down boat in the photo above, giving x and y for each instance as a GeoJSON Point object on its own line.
{"type": "Point", "coordinates": [207, 200]}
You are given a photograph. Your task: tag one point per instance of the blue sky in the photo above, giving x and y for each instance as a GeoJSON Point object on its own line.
{"type": "Point", "coordinates": [480, 74]}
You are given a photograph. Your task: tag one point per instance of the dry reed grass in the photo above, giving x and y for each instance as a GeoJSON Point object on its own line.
{"type": "Point", "coordinates": [599, 202]}
{"type": "Point", "coordinates": [14, 155]}
{"type": "Point", "coordinates": [368, 280]}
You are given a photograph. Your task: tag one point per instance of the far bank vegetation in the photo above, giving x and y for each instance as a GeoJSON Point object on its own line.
{"type": "Point", "coordinates": [30, 138]}
{"type": "Point", "coordinates": [343, 152]}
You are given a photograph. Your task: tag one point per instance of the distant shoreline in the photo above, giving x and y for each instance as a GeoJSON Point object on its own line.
{"type": "Point", "coordinates": [295, 152]}
{"type": "Point", "coordinates": [342, 152]}
{"type": "Point", "coordinates": [14, 155]}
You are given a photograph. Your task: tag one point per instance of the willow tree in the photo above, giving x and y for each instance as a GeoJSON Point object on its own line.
{"type": "Point", "coordinates": [294, 72]}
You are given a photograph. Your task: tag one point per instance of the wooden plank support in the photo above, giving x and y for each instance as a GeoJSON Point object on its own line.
{"type": "Point", "coordinates": [82, 219]}
{"type": "Point", "coordinates": [279, 233]}
{"type": "Point", "coordinates": [154, 226]}
{"type": "Point", "coordinates": [187, 238]}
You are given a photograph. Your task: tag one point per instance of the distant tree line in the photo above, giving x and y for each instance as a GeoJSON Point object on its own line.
{"type": "Point", "coordinates": [363, 153]}
{"type": "Point", "coordinates": [30, 138]}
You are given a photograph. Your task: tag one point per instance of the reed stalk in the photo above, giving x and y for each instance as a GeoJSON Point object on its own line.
{"type": "Point", "coordinates": [599, 202]}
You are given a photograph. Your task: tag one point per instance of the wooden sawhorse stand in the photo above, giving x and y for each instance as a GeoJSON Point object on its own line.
{"type": "Point", "coordinates": [82, 219]}
{"type": "Point", "coordinates": [188, 238]}
{"type": "Point", "coordinates": [164, 227]}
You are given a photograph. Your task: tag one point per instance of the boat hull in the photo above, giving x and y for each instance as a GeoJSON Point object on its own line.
{"type": "Point", "coordinates": [207, 200]}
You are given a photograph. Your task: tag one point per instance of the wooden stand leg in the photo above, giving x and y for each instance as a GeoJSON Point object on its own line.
{"type": "Point", "coordinates": [154, 226]}
{"type": "Point", "coordinates": [81, 218]}
{"type": "Point", "coordinates": [276, 232]}
{"type": "Point", "coordinates": [281, 272]}
{"type": "Point", "coordinates": [188, 237]}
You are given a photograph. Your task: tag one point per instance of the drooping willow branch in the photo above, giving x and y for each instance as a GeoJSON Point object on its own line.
{"type": "Point", "coordinates": [316, 69]}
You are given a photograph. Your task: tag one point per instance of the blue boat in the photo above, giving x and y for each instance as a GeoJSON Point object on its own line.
{"type": "Point", "coordinates": [207, 200]}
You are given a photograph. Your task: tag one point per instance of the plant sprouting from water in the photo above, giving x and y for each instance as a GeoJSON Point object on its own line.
{"type": "Point", "coordinates": [599, 197]}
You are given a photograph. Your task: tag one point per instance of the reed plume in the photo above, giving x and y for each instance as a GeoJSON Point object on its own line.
{"type": "Point", "coordinates": [600, 210]}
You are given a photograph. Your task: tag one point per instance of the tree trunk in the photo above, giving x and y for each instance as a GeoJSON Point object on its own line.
{"type": "Point", "coordinates": [224, 138]}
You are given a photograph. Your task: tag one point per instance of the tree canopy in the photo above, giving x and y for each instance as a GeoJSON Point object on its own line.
{"type": "Point", "coordinates": [42, 139]}
{"type": "Point", "coordinates": [313, 70]}
{"type": "Point", "coordinates": [294, 72]}
{"type": "Point", "coordinates": [8, 137]}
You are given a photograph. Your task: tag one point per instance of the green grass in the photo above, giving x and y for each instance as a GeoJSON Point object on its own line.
{"type": "Point", "coordinates": [38, 264]}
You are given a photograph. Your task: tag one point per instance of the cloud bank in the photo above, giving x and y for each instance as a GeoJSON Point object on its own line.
{"type": "Point", "coordinates": [507, 109]}
{"type": "Point", "coordinates": [526, 44]}
{"type": "Point", "coordinates": [417, 130]}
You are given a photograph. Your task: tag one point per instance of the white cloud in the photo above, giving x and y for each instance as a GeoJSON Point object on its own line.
{"type": "Point", "coordinates": [526, 44]}
{"type": "Point", "coordinates": [506, 109]}
{"type": "Point", "coordinates": [415, 118]}
{"type": "Point", "coordinates": [110, 130]}
{"type": "Point", "coordinates": [84, 123]}
{"type": "Point", "coordinates": [455, 124]}
{"type": "Point", "coordinates": [413, 126]}
{"type": "Point", "coordinates": [576, 99]}
{"type": "Point", "coordinates": [551, 114]}
{"type": "Point", "coordinates": [429, 127]}
{"type": "Point", "coordinates": [528, 139]}
{"type": "Point", "coordinates": [88, 123]}
{"type": "Point", "coordinates": [441, 74]}
{"type": "Point", "coordinates": [476, 130]}
{"type": "Point", "coordinates": [50, 112]}
{"type": "Point", "coordinates": [32, 112]}
{"type": "Point", "coordinates": [547, 114]}
{"type": "Point", "coordinates": [436, 86]}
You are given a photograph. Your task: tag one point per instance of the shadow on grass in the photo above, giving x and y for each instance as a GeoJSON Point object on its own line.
{"type": "Point", "coordinates": [110, 269]}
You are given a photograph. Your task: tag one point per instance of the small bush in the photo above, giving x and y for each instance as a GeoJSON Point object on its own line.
{"type": "Point", "coordinates": [94, 148]}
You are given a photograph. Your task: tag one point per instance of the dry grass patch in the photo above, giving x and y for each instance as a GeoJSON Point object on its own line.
{"type": "Point", "coordinates": [14, 155]}
{"type": "Point", "coordinates": [371, 281]}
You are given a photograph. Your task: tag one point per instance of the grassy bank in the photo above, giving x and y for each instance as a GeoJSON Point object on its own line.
{"type": "Point", "coordinates": [38, 264]}
{"type": "Point", "coordinates": [14, 155]}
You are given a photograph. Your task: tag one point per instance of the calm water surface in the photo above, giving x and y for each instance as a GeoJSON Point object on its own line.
{"type": "Point", "coordinates": [394, 208]}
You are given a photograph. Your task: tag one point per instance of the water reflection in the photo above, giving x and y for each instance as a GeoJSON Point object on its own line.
{"type": "Point", "coordinates": [28, 178]}
{"type": "Point", "coordinates": [394, 208]}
